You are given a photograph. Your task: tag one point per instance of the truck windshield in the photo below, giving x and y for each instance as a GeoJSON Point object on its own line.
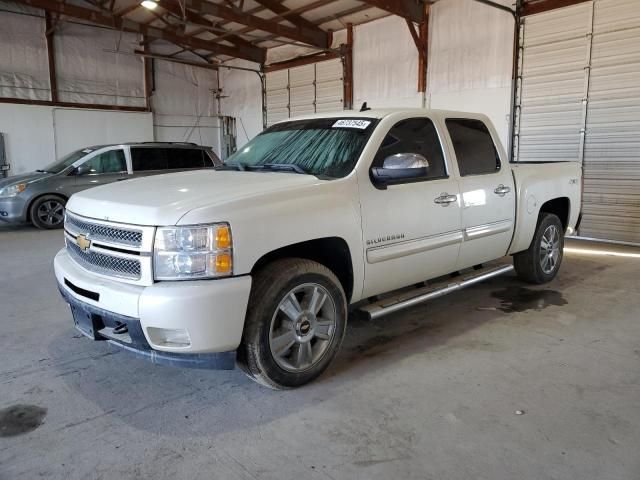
{"type": "Point", "coordinates": [327, 147]}
{"type": "Point", "coordinates": [66, 161]}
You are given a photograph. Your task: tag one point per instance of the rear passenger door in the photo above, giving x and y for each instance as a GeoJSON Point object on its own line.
{"type": "Point", "coordinates": [187, 158]}
{"type": "Point", "coordinates": [149, 160]}
{"type": "Point", "coordinates": [487, 192]}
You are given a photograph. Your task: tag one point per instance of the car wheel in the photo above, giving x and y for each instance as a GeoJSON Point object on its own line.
{"type": "Point", "coordinates": [296, 320]}
{"type": "Point", "coordinates": [47, 212]}
{"type": "Point", "coordinates": [541, 262]}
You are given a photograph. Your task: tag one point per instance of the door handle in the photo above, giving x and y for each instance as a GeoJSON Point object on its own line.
{"type": "Point", "coordinates": [502, 190]}
{"type": "Point", "coordinates": [445, 199]}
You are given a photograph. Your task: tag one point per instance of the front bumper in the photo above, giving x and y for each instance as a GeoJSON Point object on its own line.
{"type": "Point", "coordinates": [210, 313]}
{"type": "Point", "coordinates": [13, 209]}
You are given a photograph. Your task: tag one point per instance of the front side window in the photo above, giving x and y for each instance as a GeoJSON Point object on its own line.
{"type": "Point", "coordinates": [414, 136]}
{"type": "Point", "coordinates": [149, 158]}
{"type": "Point", "coordinates": [66, 161]}
{"type": "Point", "coordinates": [472, 142]}
{"type": "Point", "coordinates": [328, 147]}
{"type": "Point", "coordinates": [112, 161]}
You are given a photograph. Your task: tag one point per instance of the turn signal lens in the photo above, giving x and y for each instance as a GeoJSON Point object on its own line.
{"type": "Point", "coordinates": [223, 237]}
{"type": "Point", "coordinates": [223, 263]}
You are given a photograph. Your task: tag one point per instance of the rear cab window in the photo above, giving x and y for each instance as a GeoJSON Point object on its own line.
{"type": "Point", "coordinates": [474, 148]}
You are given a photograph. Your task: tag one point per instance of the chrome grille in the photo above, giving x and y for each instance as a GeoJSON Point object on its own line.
{"type": "Point", "coordinates": [105, 264]}
{"type": "Point", "coordinates": [106, 233]}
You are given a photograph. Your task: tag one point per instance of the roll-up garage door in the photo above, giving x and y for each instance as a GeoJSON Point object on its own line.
{"type": "Point", "coordinates": [579, 100]}
{"type": "Point", "coordinates": [304, 90]}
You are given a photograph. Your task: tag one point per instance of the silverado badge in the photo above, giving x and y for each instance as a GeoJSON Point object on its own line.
{"type": "Point", "coordinates": [83, 242]}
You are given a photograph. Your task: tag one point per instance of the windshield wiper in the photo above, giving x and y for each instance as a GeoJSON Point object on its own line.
{"type": "Point", "coordinates": [42, 171]}
{"type": "Point", "coordinates": [287, 167]}
{"type": "Point", "coordinates": [232, 166]}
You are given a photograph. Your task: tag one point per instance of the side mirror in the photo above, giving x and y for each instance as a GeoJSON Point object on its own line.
{"type": "Point", "coordinates": [399, 168]}
{"type": "Point", "coordinates": [83, 169]}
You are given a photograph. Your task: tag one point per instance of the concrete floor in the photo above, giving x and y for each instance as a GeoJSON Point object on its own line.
{"type": "Point", "coordinates": [430, 393]}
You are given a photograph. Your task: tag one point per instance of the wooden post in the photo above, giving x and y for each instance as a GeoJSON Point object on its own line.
{"type": "Point", "coordinates": [348, 69]}
{"type": "Point", "coordinates": [53, 83]}
{"type": "Point", "coordinates": [422, 53]}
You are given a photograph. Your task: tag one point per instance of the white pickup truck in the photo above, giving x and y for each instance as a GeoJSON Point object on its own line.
{"type": "Point", "coordinates": [256, 263]}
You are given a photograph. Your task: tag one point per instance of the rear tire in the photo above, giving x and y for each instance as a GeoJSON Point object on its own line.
{"type": "Point", "coordinates": [541, 261]}
{"type": "Point", "coordinates": [47, 212]}
{"type": "Point", "coordinates": [296, 320]}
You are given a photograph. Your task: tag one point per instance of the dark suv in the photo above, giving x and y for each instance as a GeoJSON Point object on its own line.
{"type": "Point", "coordinates": [40, 196]}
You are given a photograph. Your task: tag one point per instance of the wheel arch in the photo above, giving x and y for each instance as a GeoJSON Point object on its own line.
{"type": "Point", "coordinates": [332, 252]}
{"type": "Point", "coordinates": [40, 195]}
{"type": "Point", "coordinates": [560, 206]}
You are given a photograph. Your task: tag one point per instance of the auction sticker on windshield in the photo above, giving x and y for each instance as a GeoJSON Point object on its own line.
{"type": "Point", "coordinates": [361, 124]}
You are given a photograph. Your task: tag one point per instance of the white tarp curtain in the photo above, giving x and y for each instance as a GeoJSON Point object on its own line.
{"type": "Point", "coordinates": [183, 89]}
{"type": "Point", "coordinates": [90, 71]}
{"type": "Point", "coordinates": [470, 46]}
{"type": "Point", "coordinates": [385, 65]}
{"type": "Point", "coordinates": [242, 99]}
{"type": "Point", "coordinates": [23, 57]}
{"type": "Point", "coordinates": [184, 101]}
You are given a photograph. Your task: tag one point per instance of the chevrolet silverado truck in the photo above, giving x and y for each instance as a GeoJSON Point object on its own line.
{"type": "Point", "coordinates": [257, 262]}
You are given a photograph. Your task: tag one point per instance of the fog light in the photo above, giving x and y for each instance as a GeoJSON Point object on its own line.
{"type": "Point", "coordinates": [168, 337]}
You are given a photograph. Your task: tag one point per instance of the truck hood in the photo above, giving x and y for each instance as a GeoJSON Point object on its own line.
{"type": "Point", "coordinates": [165, 199]}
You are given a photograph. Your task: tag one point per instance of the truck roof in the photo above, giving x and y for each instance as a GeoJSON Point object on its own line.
{"type": "Point", "coordinates": [384, 112]}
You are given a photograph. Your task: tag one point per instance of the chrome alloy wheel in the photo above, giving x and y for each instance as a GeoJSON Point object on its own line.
{"type": "Point", "coordinates": [51, 213]}
{"type": "Point", "coordinates": [302, 327]}
{"type": "Point", "coordinates": [550, 249]}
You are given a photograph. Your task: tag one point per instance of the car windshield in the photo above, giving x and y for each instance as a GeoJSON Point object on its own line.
{"type": "Point", "coordinates": [66, 161]}
{"type": "Point", "coordinates": [327, 147]}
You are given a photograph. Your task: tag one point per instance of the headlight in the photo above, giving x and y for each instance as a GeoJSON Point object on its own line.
{"type": "Point", "coordinates": [182, 253]}
{"type": "Point", "coordinates": [12, 190]}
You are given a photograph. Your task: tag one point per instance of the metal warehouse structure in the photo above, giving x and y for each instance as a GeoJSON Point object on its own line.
{"type": "Point", "coordinates": [575, 85]}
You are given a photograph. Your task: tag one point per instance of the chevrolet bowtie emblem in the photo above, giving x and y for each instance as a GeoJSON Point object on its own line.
{"type": "Point", "coordinates": [83, 242]}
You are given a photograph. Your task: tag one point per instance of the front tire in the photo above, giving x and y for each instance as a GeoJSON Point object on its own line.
{"type": "Point", "coordinates": [541, 261]}
{"type": "Point", "coordinates": [47, 212]}
{"type": "Point", "coordinates": [296, 320]}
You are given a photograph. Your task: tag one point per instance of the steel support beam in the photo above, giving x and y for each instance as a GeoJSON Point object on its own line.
{"type": "Point", "coordinates": [409, 9]}
{"type": "Point", "coordinates": [53, 81]}
{"type": "Point", "coordinates": [254, 54]}
{"type": "Point", "coordinates": [298, 20]}
{"type": "Point", "coordinates": [315, 37]}
{"type": "Point", "coordinates": [300, 61]}
{"type": "Point", "coordinates": [531, 8]}
{"type": "Point", "coordinates": [197, 19]}
{"type": "Point", "coordinates": [347, 60]}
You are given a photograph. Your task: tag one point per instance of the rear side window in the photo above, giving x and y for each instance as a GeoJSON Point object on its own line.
{"type": "Point", "coordinates": [414, 135]}
{"type": "Point", "coordinates": [148, 158]}
{"type": "Point", "coordinates": [474, 146]}
{"type": "Point", "coordinates": [187, 158]}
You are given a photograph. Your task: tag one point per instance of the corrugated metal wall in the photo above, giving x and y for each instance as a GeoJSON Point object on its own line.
{"type": "Point", "coordinates": [579, 100]}
{"type": "Point", "coordinates": [304, 90]}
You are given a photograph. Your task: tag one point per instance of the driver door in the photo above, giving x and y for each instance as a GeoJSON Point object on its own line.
{"type": "Point", "coordinates": [412, 227]}
{"type": "Point", "coordinates": [103, 168]}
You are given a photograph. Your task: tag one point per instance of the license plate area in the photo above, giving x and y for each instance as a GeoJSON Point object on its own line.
{"type": "Point", "coordinates": [88, 323]}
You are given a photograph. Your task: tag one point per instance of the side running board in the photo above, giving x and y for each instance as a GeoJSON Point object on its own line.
{"type": "Point", "coordinates": [413, 297]}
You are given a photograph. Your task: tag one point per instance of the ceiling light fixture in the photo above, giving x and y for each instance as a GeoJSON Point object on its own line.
{"type": "Point", "coordinates": [150, 4]}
